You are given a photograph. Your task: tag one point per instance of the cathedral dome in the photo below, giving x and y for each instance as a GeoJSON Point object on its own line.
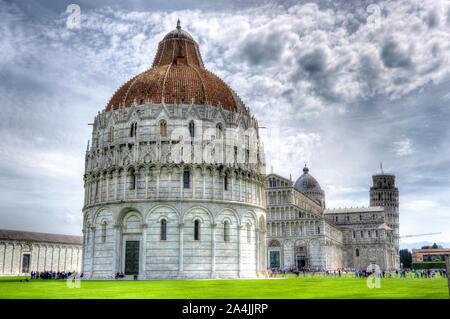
{"type": "Point", "coordinates": [307, 182]}
{"type": "Point", "coordinates": [177, 76]}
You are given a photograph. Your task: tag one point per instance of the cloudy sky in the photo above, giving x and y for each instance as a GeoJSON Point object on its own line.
{"type": "Point", "coordinates": [339, 86]}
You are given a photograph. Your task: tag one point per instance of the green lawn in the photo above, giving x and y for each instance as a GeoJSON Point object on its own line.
{"type": "Point", "coordinates": [289, 288]}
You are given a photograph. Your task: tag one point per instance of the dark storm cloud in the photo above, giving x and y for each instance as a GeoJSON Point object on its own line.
{"type": "Point", "coordinates": [263, 49]}
{"type": "Point", "coordinates": [394, 56]}
{"type": "Point", "coordinates": [314, 63]}
{"type": "Point", "coordinates": [433, 19]}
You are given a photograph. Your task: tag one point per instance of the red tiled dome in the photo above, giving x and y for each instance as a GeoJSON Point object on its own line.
{"type": "Point", "coordinates": [177, 75]}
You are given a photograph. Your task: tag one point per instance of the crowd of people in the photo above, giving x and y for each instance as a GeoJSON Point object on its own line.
{"type": "Point", "coordinates": [276, 272]}
{"type": "Point", "coordinates": [54, 274]}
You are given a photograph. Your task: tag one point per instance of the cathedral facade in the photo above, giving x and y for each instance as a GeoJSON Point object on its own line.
{"type": "Point", "coordinates": [302, 233]}
{"type": "Point", "coordinates": [174, 177]}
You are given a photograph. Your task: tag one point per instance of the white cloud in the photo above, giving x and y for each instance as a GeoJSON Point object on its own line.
{"type": "Point", "coordinates": [403, 147]}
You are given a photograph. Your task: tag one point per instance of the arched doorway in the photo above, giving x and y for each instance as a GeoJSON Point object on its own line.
{"type": "Point", "coordinates": [131, 243]}
{"type": "Point", "coordinates": [300, 257]}
{"type": "Point", "coordinates": [274, 254]}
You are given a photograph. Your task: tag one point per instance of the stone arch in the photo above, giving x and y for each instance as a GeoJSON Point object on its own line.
{"type": "Point", "coordinates": [224, 211]}
{"type": "Point", "coordinates": [126, 213]}
{"type": "Point", "coordinates": [201, 208]}
{"type": "Point", "coordinates": [156, 210]}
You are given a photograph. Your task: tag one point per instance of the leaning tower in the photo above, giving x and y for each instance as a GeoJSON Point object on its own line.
{"type": "Point", "coordinates": [384, 193]}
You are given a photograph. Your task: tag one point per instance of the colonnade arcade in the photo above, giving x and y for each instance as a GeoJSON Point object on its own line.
{"type": "Point", "coordinates": [154, 181]}
{"type": "Point", "coordinates": [219, 232]}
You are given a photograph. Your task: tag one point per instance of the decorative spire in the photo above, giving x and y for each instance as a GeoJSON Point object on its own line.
{"type": "Point", "coordinates": [178, 24]}
{"type": "Point", "coordinates": [305, 169]}
{"type": "Point", "coordinates": [381, 167]}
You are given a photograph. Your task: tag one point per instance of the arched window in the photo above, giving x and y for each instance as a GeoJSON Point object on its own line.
{"type": "Point", "coordinates": [368, 234]}
{"type": "Point", "coordinates": [197, 230]}
{"type": "Point", "coordinates": [357, 252]}
{"type": "Point", "coordinates": [225, 182]}
{"type": "Point", "coordinates": [360, 217]}
{"type": "Point", "coordinates": [362, 234]}
{"type": "Point", "coordinates": [219, 131]}
{"type": "Point", "coordinates": [133, 129]}
{"type": "Point", "coordinates": [318, 230]}
{"type": "Point", "coordinates": [249, 233]}
{"type": "Point", "coordinates": [132, 180]}
{"type": "Point", "coordinates": [186, 179]}
{"type": "Point", "coordinates": [191, 128]}
{"type": "Point", "coordinates": [226, 231]}
{"type": "Point", "coordinates": [103, 232]}
{"type": "Point", "coordinates": [376, 233]}
{"type": "Point", "coordinates": [111, 134]}
{"type": "Point", "coordinates": [354, 235]}
{"type": "Point", "coordinates": [336, 219]}
{"type": "Point", "coordinates": [163, 229]}
{"type": "Point", "coordinates": [163, 128]}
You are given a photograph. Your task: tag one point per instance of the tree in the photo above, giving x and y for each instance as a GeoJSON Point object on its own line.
{"type": "Point", "coordinates": [425, 247]}
{"type": "Point", "coordinates": [405, 258]}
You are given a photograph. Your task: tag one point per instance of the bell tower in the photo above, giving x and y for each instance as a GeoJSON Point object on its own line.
{"type": "Point", "coordinates": [384, 193]}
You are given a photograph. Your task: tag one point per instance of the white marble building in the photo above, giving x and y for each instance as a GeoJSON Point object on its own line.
{"type": "Point", "coordinates": [301, 232]}
{"type": "Point", "coordinates": [174, 177]}
{"type": "Point", "coordinates": [22, 252]}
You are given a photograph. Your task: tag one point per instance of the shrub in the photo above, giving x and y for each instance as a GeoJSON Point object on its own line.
{"type": "Point", "coordinates": [429, 265]}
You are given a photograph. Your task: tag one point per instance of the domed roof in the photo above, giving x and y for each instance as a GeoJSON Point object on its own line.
{"type": "Point", "coordinates": [177, 76]}
{"type": "Point", "coordinates": [178, 33]}
{"type": "Point", "coordinates": [307, 182]}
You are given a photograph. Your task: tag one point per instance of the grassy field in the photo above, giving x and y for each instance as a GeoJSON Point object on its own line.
{"type": "Point", "coordinates": [289, 288]}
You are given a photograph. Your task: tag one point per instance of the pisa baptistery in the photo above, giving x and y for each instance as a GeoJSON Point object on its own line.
{"type": "Point", "coordinates": [174, 176]}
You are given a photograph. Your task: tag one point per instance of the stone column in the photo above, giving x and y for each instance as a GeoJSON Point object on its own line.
{"type": "Point", "coordinates": [258, 253]}
{"type": "Point", "coordinates": [116, 177]}
{"type": "Point", "coordinates": [181, 261]}
{"type": "Point", "coordinates": [83, 250]}
{"type": "Point", "coordinates": [101, 188]}
{"type": "Point", "coordinates": [92, 252]}
{"type": "Point", "coordinates": [125, 180]}
{"type": "Point", "coordinates": [108, 176]}
{"type": "Point", "coordinates": [213, 250]}
{"type": "Point", "coordinates": [117, 251]}
{"type": "Point", "coordinates": [239, 228]}
{"type": "Point", "coordinates": [170, 183]}
{"type": "Point", "coordinates": [213, 174]}
{"type": "Point", "coordinates": [137, 175]}
{"type": "Point", "coordinates": [142, 273]}
{"type": "Point", "coordinates": [240, 188]}
{"type": "Point", "coordinates": [19, 271]}
{"type": "Point", "coordinates": [232, 186]}
{"type": "Point", "coordinates": [4, 258]}
{"type": "Point", "coordinates": [181, 183]}
{"type": "Point", "coordinates": [38, 255]}
{"type": "Point", "coordinates": [193, 183]}
{"type": "Point", "coordinates": [158, 175]}
{"type": "Point", "coordinates": [147, 175]}
{"type": "Point", "coordinates": [204, 184]}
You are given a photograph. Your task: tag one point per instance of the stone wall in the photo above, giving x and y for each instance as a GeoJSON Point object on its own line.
{"type": "Point", "coordinates": [43, 257]}
{"type": "Point", "coordinates": [179, 256]}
